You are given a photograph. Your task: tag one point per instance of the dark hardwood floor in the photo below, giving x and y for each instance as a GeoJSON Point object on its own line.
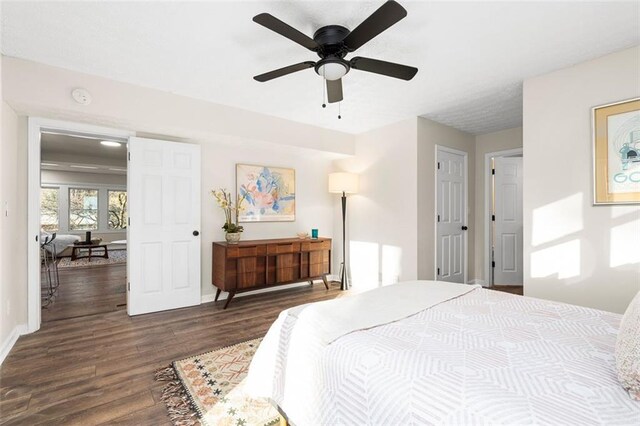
{"type": "Point", "coordinates": [513, 289]}
{"type": "Point", "coordinates": [87, 291]}
{"type": "Point", "coordinates": [99, 369]}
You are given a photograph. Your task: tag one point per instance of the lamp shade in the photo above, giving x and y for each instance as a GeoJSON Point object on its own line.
{"type": "Point", "coordinates": [343, 182]}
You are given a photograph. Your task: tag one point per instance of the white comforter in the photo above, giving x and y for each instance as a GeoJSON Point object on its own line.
{"type": "Point", "coordinates": [481, 358]}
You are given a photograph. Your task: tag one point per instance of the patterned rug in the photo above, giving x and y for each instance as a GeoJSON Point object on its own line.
{"type": "Point", "coordinates": [115, 256]}
{"type": "Point", "coordinates": [208, 389]}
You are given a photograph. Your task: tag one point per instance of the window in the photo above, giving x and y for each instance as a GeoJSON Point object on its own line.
{"type": "Point", "coordinates": [117, 209]}
{"type": "Point", "coordinates": [49, 212]}
{"type": "Point", "coordinates": [83, 209]}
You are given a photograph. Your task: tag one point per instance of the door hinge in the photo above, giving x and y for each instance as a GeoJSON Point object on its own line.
{"type": "Point", "coordinates": [493, 264]}
{"type": "Point", "coordinates": [129, 156]}
{"type": "Point", "coordinates": [129, 286]}
{"type": "Point", "coordinates": [438, 271]}
{"type": "Point", "coordinates": [493, 217]}
{"type": "Point", "coordinates": [438, 165]}
{"type": "Point", "coordinates": [493, 171]}
{"type": "Point", "coordinates": [438, 218]}
{"type": "Point", "coordinates": [128, 221]}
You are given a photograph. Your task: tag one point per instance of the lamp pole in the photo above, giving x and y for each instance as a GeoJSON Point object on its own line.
{"type": "Point", "coordinates": [344, 283]}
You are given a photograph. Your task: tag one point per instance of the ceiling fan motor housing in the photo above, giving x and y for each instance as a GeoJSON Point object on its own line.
{"type": "Point", "coordinates": [330, 39]}
{"type": "Point", "coordinates": [331, 47]}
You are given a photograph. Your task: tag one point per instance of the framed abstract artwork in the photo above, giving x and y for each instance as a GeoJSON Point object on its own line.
{"type": "Point", "coordinates": [269, 193]}
{"type": "Point", "coordinates": [616, 153]}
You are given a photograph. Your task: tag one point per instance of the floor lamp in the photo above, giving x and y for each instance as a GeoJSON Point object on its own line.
{"type": "Point", "coordinates": [343, 183]}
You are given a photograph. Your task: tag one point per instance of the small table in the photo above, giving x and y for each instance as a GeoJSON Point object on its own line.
{"type": "Point", "coordinates": [77, 247]}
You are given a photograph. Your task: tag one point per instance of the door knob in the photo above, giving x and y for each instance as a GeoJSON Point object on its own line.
{"type": "Point", "coordinates": [464, 228]}
{"type": "Point", "coordinates": [196, 233]}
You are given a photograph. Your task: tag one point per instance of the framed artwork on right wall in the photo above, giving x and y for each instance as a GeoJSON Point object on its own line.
{"type": "Point", "coordinates": [616, 153]}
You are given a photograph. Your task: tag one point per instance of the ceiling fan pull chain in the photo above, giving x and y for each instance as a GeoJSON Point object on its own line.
{"type": "Point", "coordinates": [339, 110]}
{"type": "Point", "coordinates": [324, 92]}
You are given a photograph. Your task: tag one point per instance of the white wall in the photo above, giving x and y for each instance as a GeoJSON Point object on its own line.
{"type": "Point", "coordinates": [574, 251]}
{"type": "Point", "coordinates": [13, 244]}
{"type": "Point", "coordinates": [429, 135]}
{"type": "Point", "coordinates": [314, 205]}
{"type": "Point", "coordinates": [490, 142]}
{"type": "Point", "coordinates": [227, 136]}
{"type": "Point", "coordinates": [382, 217]}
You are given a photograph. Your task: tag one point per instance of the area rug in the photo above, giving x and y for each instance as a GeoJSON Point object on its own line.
{"type": "Point", "coordinates": [208, 389]}
{"type": "Point", "coordinates": [115, 257]}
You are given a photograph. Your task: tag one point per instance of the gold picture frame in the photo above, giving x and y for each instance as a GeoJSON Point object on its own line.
{"type": "Point", "coordinates": [616, 153]}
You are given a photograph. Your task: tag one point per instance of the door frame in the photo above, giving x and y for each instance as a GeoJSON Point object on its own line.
{"type": "Point", "coordinates": [35, 125]}
{"type": "Point", "coordinates": [465, 156]}
{"type": "Point", "coordinates": [488, 271]}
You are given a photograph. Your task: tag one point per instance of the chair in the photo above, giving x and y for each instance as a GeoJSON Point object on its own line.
{"type": "Point", "coordinates": [50, 265]}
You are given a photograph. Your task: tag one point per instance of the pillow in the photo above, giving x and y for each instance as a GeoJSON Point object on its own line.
{"type": "Point", "coordinates": [628, 349]}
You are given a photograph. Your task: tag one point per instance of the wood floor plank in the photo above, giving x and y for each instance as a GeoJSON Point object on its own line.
{"type": "Point", "coordinates": [99, 369]}
{"type": "Point", "coordinates": [105, 413]}
{"type": "Point", "coordinates": [151, 416]}
{"type": "Point", "coordinates": [14, 406]}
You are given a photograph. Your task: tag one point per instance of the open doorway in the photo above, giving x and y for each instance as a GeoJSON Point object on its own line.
{"type": "Point", "coordinates": [504, 220]}
{"type": "Point", "coordinates": [83, 224]}
{"type": "Point", "coordinates": [60, 205]}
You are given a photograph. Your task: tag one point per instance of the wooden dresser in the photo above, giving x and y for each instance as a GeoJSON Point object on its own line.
{"type": "Point", "coordinates": [251, 265]}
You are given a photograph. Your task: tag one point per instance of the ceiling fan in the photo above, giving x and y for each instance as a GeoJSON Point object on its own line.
{"type": "Point", "coordinates": [333, 42]}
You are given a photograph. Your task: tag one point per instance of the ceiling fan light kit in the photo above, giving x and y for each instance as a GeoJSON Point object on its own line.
{"type": "Point", "coordinates": [332, 68]}
{"type": "Point", "coordinates": [332, 43]}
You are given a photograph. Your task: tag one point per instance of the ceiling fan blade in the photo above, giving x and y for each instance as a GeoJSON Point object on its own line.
{"type": "Point", "coordinates": [387, 15]}
{"type": "Point", "coordinates": [390, 69]}
{"type": "Point", "coordinates": [286, 30]}
{"type": "Point", "coordinates": [284, 71]}
{"type": "Point", "coordinates": [334, 90]}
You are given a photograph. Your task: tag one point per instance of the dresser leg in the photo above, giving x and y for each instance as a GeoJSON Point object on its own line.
{"type": "Point", "coordinates": [218, 291]}
{"type": "Point", "coordinates": [231, 294]}
{"type": "Point", "coordinates": [326, 283]}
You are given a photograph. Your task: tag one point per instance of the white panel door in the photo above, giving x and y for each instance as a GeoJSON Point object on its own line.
{"type": "Point", "coordinates": [163, 235]}
{"type": "Point", "coordinates": [451, 216]}
{"type": "Point", "coordinates": [508, 221]}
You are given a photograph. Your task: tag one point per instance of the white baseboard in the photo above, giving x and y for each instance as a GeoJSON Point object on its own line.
{"type": "Point", "coordinates": [206, 298]}
{"type": "Point", "coordinates": [483, 283]}
{"type": "Point", "coordinates": [11, 340]}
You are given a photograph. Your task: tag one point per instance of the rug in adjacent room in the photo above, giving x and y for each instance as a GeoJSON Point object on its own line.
{"type": "Point", "coordinates": [208, 389]}
{"type": "Point", "coordinates": [115, 257]}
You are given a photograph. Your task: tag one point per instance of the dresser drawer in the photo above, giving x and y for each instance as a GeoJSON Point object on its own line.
{"type": "Point", "coordinates": [274, 249]}
{"type": "Point", "coordinates": [316, 257]}
{"type": "Point", "coordinates": [318, 269]}
{"type": "Point", "coordinates": [247, 264]}
{"type": "Point", "coordinates": [316, 245]}
{"type": "Point", "coordinates": [242, 251]}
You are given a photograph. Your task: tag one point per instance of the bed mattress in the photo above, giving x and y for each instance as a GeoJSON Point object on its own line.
{"type": "Point", "coordinates": [483, 358]}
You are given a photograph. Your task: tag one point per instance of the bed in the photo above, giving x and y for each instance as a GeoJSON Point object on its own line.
{"type": "Point", "coordinates": [479, 356]}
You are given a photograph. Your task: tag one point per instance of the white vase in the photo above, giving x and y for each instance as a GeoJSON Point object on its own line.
{"type": "Point", "coordinates": [233, 237]}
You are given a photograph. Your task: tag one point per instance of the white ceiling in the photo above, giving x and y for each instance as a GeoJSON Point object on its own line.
{"type": "Point", "coordinates": [81, 154]}
{"type": "Point", "coordinates": [472, 56]}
